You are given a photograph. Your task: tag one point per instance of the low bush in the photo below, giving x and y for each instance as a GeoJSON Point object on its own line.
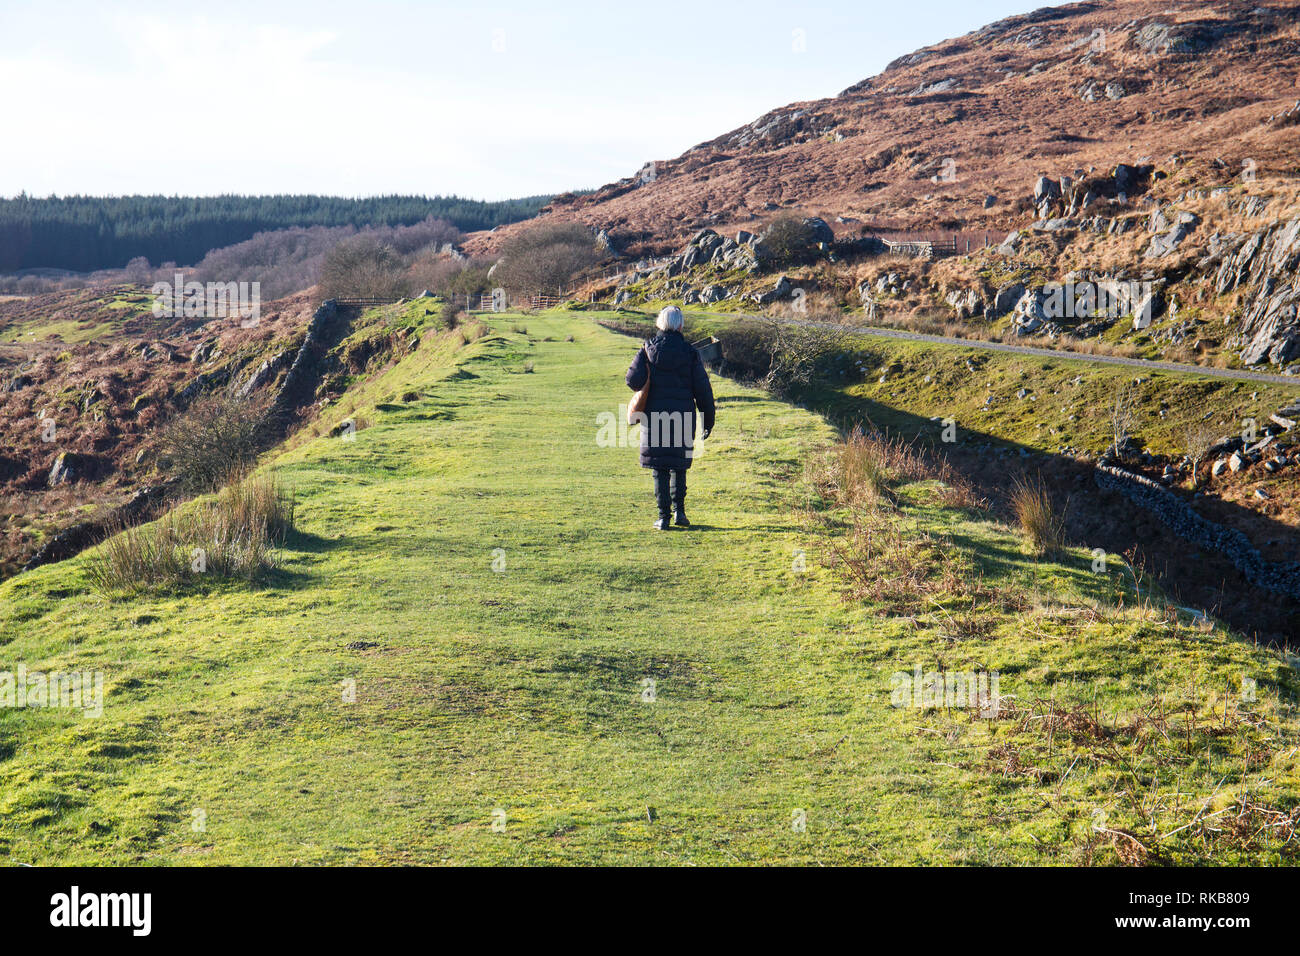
{"type": "Point", "coordinates": [215, 440]}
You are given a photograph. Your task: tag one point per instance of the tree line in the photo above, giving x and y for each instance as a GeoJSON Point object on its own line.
{"type": "Point", "coordinates": [88, 233]}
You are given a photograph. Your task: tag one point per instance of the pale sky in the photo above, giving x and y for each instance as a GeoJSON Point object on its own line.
{"type": "Point", "coordinates": [489, 100]}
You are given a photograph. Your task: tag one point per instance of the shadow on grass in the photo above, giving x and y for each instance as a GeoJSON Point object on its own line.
{"type": "Point", "coordinates": [309, 543]}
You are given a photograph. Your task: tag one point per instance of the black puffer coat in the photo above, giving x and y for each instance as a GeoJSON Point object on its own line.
{"type": "Point", "coordinates": [679, 385]}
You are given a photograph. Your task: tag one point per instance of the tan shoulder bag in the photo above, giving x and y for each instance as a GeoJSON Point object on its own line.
{"type": "Point", "coordinates": [638, 403]}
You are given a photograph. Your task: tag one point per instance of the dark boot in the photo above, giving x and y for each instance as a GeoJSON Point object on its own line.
{"type": "Point", "coordinates": [663, 497]}
{"type": "Point", "coordinates": [679, 498]}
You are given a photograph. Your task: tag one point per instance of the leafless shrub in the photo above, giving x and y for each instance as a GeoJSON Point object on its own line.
{"type": "Point", "coordinates": [215, 440]}
{"type": "Point", "coordinates": [451, 313]}
{"type": "Point", "coordinates": [789, 240]}
{"type": "Point", "coordinates": [795, 352]}
{"type": "Point", "coordinates": [1123, 417]}
{"type": "Point", "coordinates": [1198, 439]}
{"type": "Point", "coordinates": [363, 266]}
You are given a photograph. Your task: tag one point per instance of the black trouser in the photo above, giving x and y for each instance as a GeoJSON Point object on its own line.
{"type": "Point", "coordinates": [670, 495]}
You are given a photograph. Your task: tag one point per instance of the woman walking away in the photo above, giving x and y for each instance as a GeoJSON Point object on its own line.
{"type": "Point", "coordinates": [679, 386]}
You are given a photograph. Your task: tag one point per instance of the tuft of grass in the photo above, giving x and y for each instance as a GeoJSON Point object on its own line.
{"type": "Point", "coordinates": [863, 468]}
{"type": "Point", "coordinates": [472, 332]}
{"type": "Point", "coordinates": [1034, 509]}
{"type": "Point", "coordinates": [231, 536]}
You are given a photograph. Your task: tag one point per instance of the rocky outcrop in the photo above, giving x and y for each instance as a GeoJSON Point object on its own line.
{"type": "Point", "coordinates": [1180, 517]}
{"type": "Point", "coordinates": [1263, 264]}
{"type": "Point", "coordinates": [782, 290]}
{"type": "Point", "coordinates": [708, 248]}
{"type": "Point", "coordinates": [1165, 243]}
{"type": "Point", "coordinates": [141, 506]}
{"type": "Point", "coordinates": [1061, 201]}
{"type": "Point", "coordinates": [70, 466]}
{"type": "Point", "coordinates": [299, 383]}
{"type": "Point", "coordinates": [1005, 299]}
{"type": "Point", "coordinates": [965, 303]}
{"type": "Point", "coordinates": [264, 372]}
{"type": "Point", "coordinates": [1047, 196]}
{"type": "Point", "coordinates": [1031, 313]}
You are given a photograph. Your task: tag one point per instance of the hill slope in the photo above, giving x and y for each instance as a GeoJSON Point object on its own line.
{"type": "Point", "coordinates": [513, 686]}
{"type": "Point", "coordinates": [922, 145]}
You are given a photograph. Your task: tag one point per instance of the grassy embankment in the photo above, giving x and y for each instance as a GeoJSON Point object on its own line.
{"type": "Point", "coordinates": [525, 689]}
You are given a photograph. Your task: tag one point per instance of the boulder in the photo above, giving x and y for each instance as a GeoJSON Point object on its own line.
{"type": "Point", "coordinates": [781, 290]}
{"type": "Point", "coordinates": [69, 466]}
{"type": "Point", "coordinates": [1047, 196]}
{"type": "Point", "coordinates": [821, 232]}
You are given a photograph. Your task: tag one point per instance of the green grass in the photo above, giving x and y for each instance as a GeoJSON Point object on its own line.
{"type": "Point", "coordinates": [521, 689]}
{"type": "Point", "coordinates": [1068, 401]}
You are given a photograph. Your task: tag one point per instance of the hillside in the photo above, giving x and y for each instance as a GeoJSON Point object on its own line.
{"type": "Point", "coordinates": [466, 656]}
{"type": "Point", "coordinates": [89, 379]}
{"type": "Point", "coordinates": [952, 136]}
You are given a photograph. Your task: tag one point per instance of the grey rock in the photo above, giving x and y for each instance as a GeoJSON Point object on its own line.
{"type": "Point", "coordinates": [69, 466]}
{"type": "Point", "coordinates": [1166, 243]}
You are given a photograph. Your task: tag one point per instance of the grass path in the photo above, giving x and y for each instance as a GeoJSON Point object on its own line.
{"type": "Point", "coordinates": [518, 695]}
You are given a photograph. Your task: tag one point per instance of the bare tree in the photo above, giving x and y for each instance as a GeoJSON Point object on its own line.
{"type": "Point", "coordinates": [546, 258]}
{"type": "Point", "coordinates": [1123, 417]}
{"type": "Point", "coordinates": [363, 266]}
